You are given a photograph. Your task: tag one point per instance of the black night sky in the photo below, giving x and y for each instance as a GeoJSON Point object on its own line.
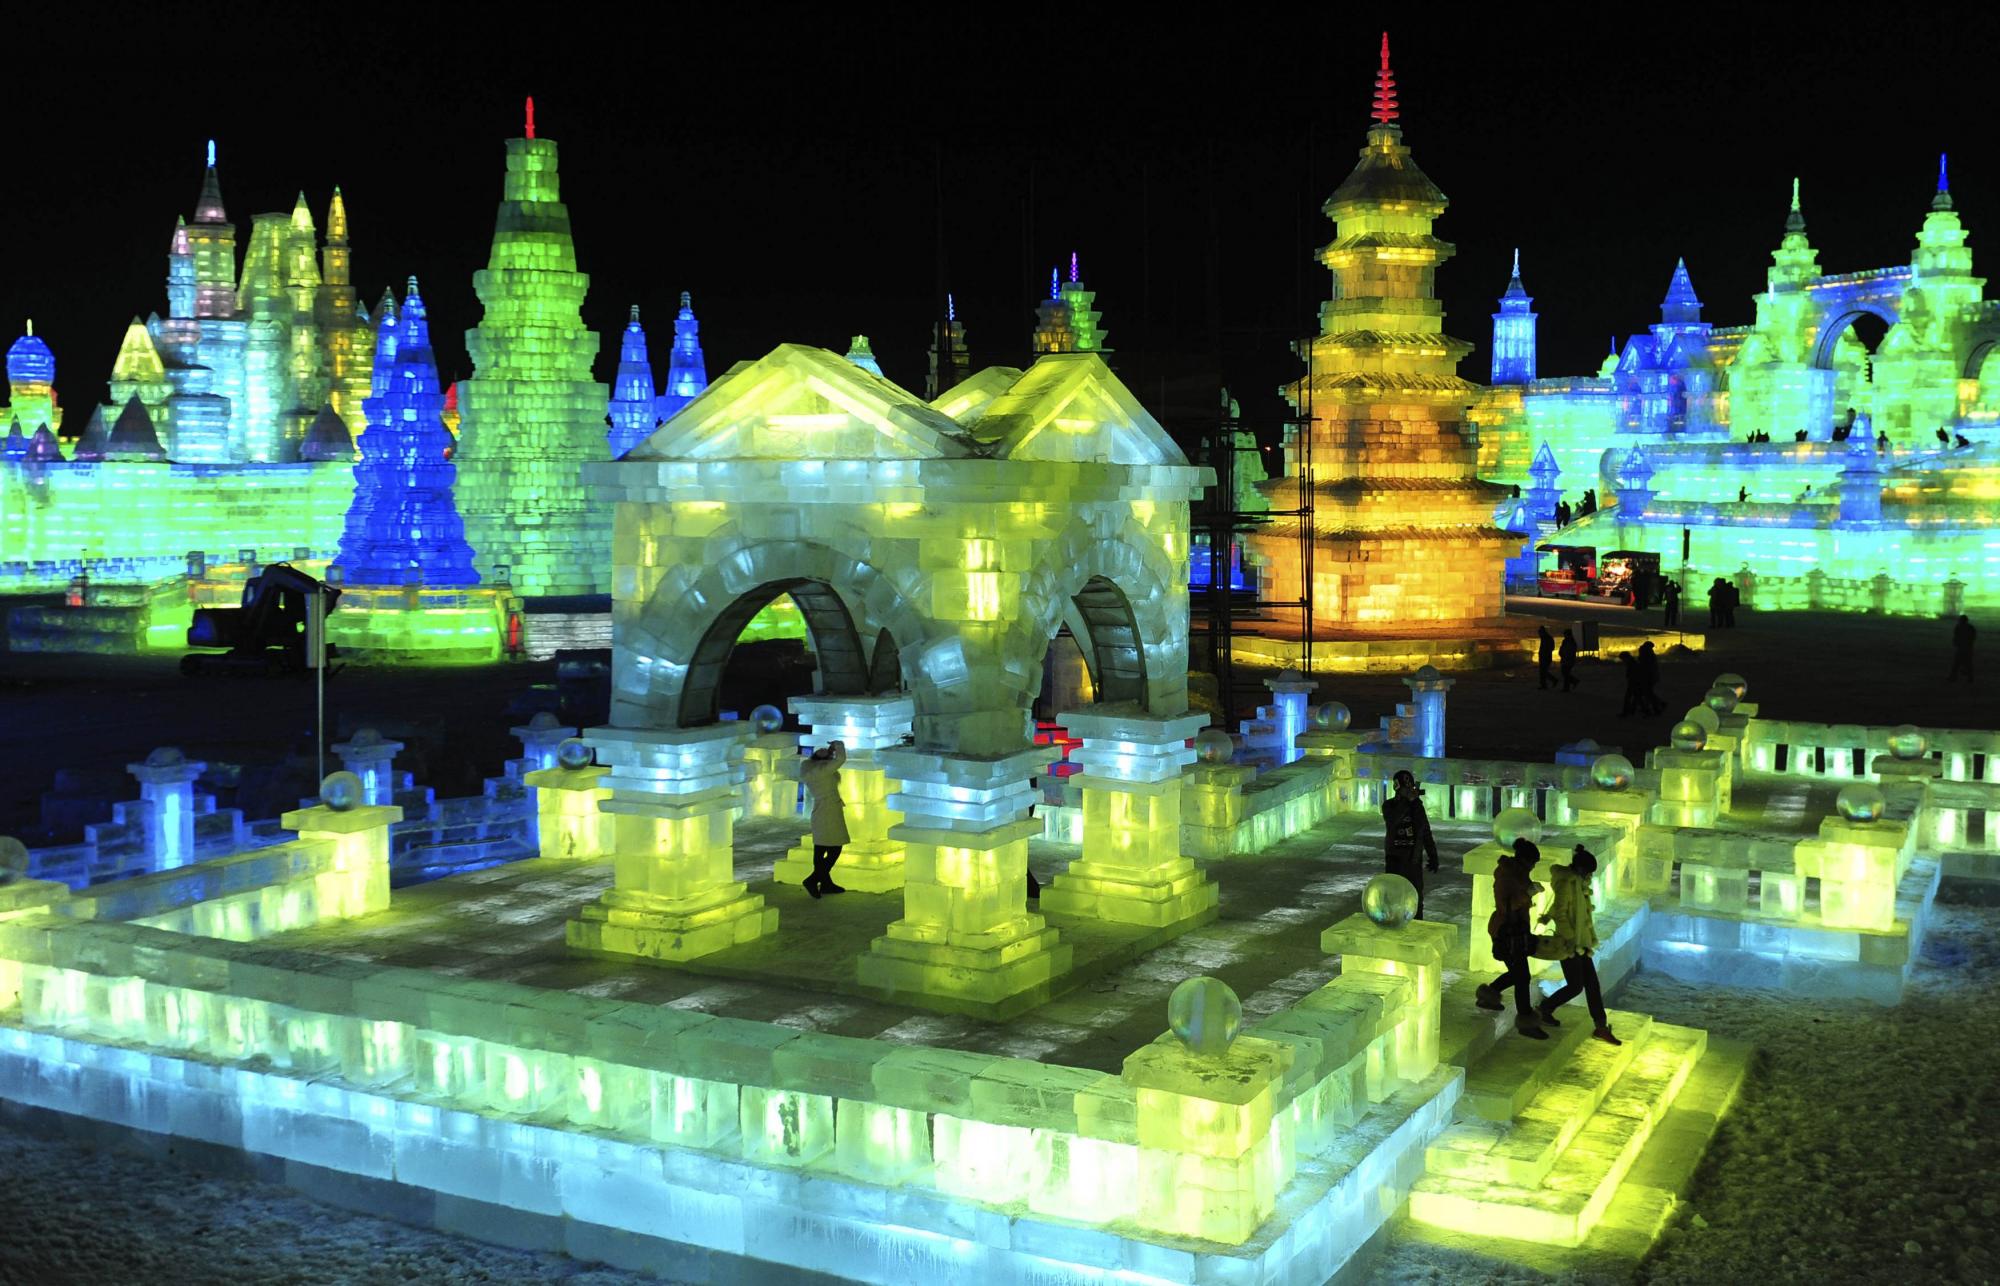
{"type": "Point", "coordinates": [789, 166]}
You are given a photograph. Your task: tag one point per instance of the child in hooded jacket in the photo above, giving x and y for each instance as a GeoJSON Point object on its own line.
{"type": "Point", "coordinates": [1573, 936]}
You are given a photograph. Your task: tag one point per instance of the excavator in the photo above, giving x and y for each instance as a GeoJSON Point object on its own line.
{"type": "Point", "coordinates": [267, 635]}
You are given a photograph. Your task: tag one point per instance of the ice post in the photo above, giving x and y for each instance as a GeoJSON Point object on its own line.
{"type": "Point", "coordinates": [674, 798]}
{"type": "Point", "coordinates": [871, 862]}
{"type": "Point", "coordinates": [359, 832]}
{"type": "Point", "coordinates": [372, 759]}
{"type": "Point", "coordinates": [1131, 870]}
{"type": "Point", "coordinates": [966, 939]}
{"type": "Point", "coordinates": [569, 818]}
{"type": "Point", "coordinates": [770, 758]}
{"type": "Point", "coordinates": [1288, 695]}
{"type": "Point", "coordinates": [166, 799]}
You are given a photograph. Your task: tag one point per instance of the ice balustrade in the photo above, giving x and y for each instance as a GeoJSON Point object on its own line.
{"type": "Point", "coordinates": [1198, 1137]}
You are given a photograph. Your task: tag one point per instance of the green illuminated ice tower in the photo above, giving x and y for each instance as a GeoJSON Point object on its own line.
{"type": "Point", "coordinates": [139, 372]}
{"type": "Point", "coordinates": [1775, 385]}
{"type": "Point", "coordinates": [1917, 367]}
{"type": "Point", "coordinates": [531, 416]}
{"type": "Point", "coordinates": [343, 327]}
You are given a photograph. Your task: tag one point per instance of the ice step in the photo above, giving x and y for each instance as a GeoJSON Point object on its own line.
{"type": "Point", "coordinates": [1522, 1150]}
{"type": "Point", "coordinates": [1563, 1207]}
{"type": "Point", "coordinates": [1501, 1082]}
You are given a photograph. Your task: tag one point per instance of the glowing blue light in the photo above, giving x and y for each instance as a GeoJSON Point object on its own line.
{"type": "Point", "coordinates": [687, 370]}
{"type": "Point", "coordinates": [1514, 333]}
{"type": "Point", "coordinates": [211, 154]}
{"type": "Point", "coordinates": [634, 407]}
{"type": "Point", "coordinates": [1055, 283]}
{"type": "Point", "coordinates": [30, 360]}
{"type": "Point", "coordinates": [403, 527]}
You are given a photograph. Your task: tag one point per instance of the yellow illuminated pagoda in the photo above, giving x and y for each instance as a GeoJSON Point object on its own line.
{"type": "Point", "coordinates": [1403, 536]}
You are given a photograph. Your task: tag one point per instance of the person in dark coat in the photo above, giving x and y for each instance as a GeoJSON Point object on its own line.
{"type": "Point", "coordinates": [1717, 595]}
{"type": "Point", "coordinates": [1513, 937]}
{"type": "Point", "coordinates": [1406, 834]}
{"type": "Point", "coordinates": [1671, 595]}
{"type": "Point", "coordinates": [1630, 661]}
{"type": "Point", "coordinates": [1962, 636]}
{"type": "Point", "coordinates": [1546, 656]}
{"type": "Point", "coordinates": [1649, 680]}
{"type": "Point", "coordinates": [1568, 655]}
{"type": "Point", "coordinates": [1731, 599]}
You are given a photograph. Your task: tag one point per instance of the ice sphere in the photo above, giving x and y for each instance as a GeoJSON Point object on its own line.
{"type": "Point", "coordinates": [1734, 682]}
{"type": "Point", "coordinates": [573, 754]}
{"type": "Point", "coordinates": [1860, 802]}
{"type": "Point", "coordinates": [1707, 718]}
{"type": "Point", "coordinates": [1519, 823]}
{"type": "Point", "coordinates": [1720, 699]}
{"type": "Point", "coordinates": [13, 858]}
{"type": "Point", "coordinates": [1206, 1015]}
{"type": "Point", "coordinates": [1688, 735]}
{"type": "Point", "coordinates": [1213, 746]}
{"type": "Point", "coordinates": [1331, 716]}
{"type": "Point", "coordinates": [1611, 772]}
{"type": "Point", "coordinates": [1390, 900]}
{"type": "Point", "coordinates": [340, 791]}
{"type": "Point", "coordinates": [767, 718]}
{"type": "Point", "coordinates": [1907, 741]}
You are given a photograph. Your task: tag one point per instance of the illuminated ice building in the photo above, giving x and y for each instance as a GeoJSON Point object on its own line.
{"type": "Point", "coordinates": [1871, 474]}
{"type": "Point", "coordinates": [531, 415]}
{"type": "Point", "coordinates": [1404, 548]}
{"type": "Point", "coordinates": [231, 382]}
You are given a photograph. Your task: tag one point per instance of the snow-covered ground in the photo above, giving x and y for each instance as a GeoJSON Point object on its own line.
{"type": "Point", "coordinates": [1865, 1148]}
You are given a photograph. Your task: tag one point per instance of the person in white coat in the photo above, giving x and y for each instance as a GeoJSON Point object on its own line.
{"type": "Point", "coordinates": [821, 775]}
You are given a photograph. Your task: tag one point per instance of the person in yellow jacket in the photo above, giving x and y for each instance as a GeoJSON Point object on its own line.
{"type": "Point", "coordinates": [821, 774]}
{"type": "Point", "coordinates": [1572, 937]}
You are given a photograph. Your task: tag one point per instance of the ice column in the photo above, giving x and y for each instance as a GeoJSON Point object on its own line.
{"type": "Point", "coordinates": [966, 940]}
{"type": "Point", "coordinates": [1428, 689]}
{"type": "Point", "coordinates": [539, 738]}
{"type": "Point", "coordinates": [569, 818]}
{"type": "Point", "coordinates": [674, 798]}
{"type": "Point", "coordinates": [372, 759]}
{"type": "Point", "coordinates": [360, 839]}
{"type": "Point", "coordinates": [166, 806]}
{"type": "Point", "coordinates": [1131, 870]}
{"type": "Point", "coordinates": [871, 862]}
{"type": "Point", "coordinates": [1415, 950]}
{"type": "Point", "coordinates": [1288, 695]}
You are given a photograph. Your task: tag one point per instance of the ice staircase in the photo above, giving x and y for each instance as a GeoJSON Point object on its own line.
{"type": "Point", "coordinates": [1552, 1139]}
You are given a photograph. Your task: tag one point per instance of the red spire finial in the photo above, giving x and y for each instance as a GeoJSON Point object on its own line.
{"type": "Point", "coordinates": [1385, 88]}
{"type": "Point", "coordinates": [531, 104]}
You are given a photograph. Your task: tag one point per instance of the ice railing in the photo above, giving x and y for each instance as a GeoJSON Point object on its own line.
{"type": "Point", "coordinates": [1179, 1143]}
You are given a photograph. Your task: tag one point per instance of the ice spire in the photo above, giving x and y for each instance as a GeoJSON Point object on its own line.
{"type": "Point", "coordinates": [634, 408]}
{"type": "Point", "coordinates": [1385, 112]}
{"type": "Point", "coordinates": [1942, 201]}
{"type": "Point", "coordinates": [208, 209]}
{"type": "Point", "coordinates": [687, 369]}
{"type": "Point", "coordinates": [950, 307]}
{"type": "Point", "coordinates": [1073, 268]}
{"type": "Point", "coordinates": [531, 117]}
{"type": "Point", "coordinates": [1796, 220]}
{"type": "Point", "coordinates": [1055, 283]}
{"type": "Point", "coordinates": [862, 354]}
{"type": "Point", "coordinates": [1680, 305]}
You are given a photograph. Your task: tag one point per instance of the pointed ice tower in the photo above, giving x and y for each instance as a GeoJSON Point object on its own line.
{"type": "Point", "coordinates": [201, 340]}
{"type": "Point", "coordinates": [1916, 376]}
{"type": "Point", "coordinates": [862, 354]}
{"type": "Point", "coordinates": [687, 369]}
{"type": "Point", "coordinates": [1514, 333]}
{"type": "Point", "coordinates": [531, 416]}
{"type": "Point", "coordinates": [343, 327]}
{"type": "Point", "coordinates": [950, 364]}
{"type": "Point", "coordinates": [1404, 544]}
{"type": "Point", "coordinates": [634, 408]}
{"type": "Point", "coordinates": [403, 528]}
{"type": "Point", "coordinates": [1084, 319]}
{"type": "Point", "coordinates": [138, 372]}
{"type": "Point", "coordinates": [132, 438]}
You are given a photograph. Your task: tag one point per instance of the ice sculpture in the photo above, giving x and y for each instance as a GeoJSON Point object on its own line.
{"type": "Point", "coordinates": [634, 410]}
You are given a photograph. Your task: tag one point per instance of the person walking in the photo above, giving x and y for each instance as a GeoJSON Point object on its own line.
{"type": "Point", "coordinates": [1648, 665]}
{"type": "Point", "coordinates": [1568, 655]}
{"type": "Point", "coordinates": [1513, 940]}
{"type": "Point", "coordinates": [1962, 637]}
{"type": "Point", "coordinates": [1731, 598]}
{"type": "Point", "coordinates": [1572, 937]}
{"type": "Point", "coordinates": [1545, 655]}
{"type": "Point", "coordinates": [821, 774]}
{"type": "Point", "coordinates": [1716, 596]}
{"type": "Point", "coordinates": [1672, 596]}
{"type": "Point", "coordinates": [1406, 834]}
{"type": "Point", "coordinates": [1630, 661]}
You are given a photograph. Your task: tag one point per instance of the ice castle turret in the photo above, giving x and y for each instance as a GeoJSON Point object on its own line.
{"type": "Point", "coordinates": [202, 339]}
{"type": "Point", "coordinates": [687, 369]}
{"type": "Point", "coordinates": [950, 363]}
{"type": "Point", "coordinates": [403, 528]}
{"type": "Point", "coordinates": [1776, 384]}
{"type": "Point", "coordinates": [342, 323]}
{"type": "Point", "coordinates": [862, 354]}
{"type": "Point", "coordinates": [31, 382]}
{"type": "Point", "coordinates": [1514, 333]}
{"type": "Point", "coordinates": [530, 415]}
{"type": "Point", "coordinates": [138, 372]}
{"type": "Point", "coordinates": [1917, 366]}
{"type": "Point", "coordinates": [1067, 321]}
{"type": "Point", "coordinates": [634, 407]}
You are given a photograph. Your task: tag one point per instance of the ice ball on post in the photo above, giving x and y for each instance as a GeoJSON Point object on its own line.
{"type": "Point", "coordinates": [1213, 746]}
{"type": "Point", "coordinates": [1611, 772]}
{"type": "Point", "coordinates": [1720, 699]}
{"type": "Point", "coordinates": [1688, 735]}
{"type": "Point", "coordinates": [574, 754]}
{"type": "Point", "coordinates": [341, 791]}
{"type": "Point", "coordinates": [767, 718]}
{"type": "Point", "coordinates": [1861, 801]}
{"type": "Point", "coordinates": [1710, 722]}
{"type": "Point", "coordinates": [13, 858]}
{"type": "Point", "coordinates": [1734, 682]}
{"type": "Point", "coordinates": [1206, 1015]}
{"type": "Point", "coordinates": [1516, 823]}
{"type": "Point", "coordinates": [1907, 742]}
{"type": "Point", "coordinates": [1331, 716]}
{"type": "Point", "coordinates": [1389, 900]}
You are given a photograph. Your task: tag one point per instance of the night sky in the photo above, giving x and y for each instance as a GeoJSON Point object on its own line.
{"type": "Point", "coordinates": [794, 169]}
